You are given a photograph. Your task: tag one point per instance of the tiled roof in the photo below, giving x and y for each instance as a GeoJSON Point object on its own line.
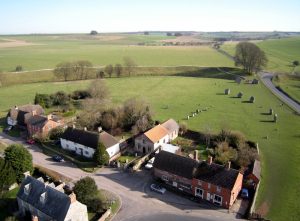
{"type": "Point", "coordinates": [256, 169]}
{"type": "Point", "coordinates": [107, 139]}
{"type": "Point", "coordinates": [37, 120]}
{"type": "Point", "coordinates": [175, 164]}
{"type": "Point", "coordinates": [56, 203]}
{"type": "Point", "coordinates": [86, 138]}
{"type": "Point", "coordinates": [156, 133]}
{"type": "Point", "coordinates": [23, 113]}
{"type": "Point", "coordinates": [171, 125]}
{"type": "Point", "coordinates": [186, 167]}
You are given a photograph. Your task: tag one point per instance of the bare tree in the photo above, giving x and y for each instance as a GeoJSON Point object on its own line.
{"type": "Point", "coordinates": [118, 70]}
{"type": "Point", "coordinates": [130, 65]}
{"type": "Point", "coordinates": [182, 128]}
{"type": "Point", "coordinates": [63, 70]}
{"type": "Point", "coordinates": [84, 68]}
{"type": "Point", "coordinates": [109, 69]}
{"type": "Point", "coordinates": [250, 57]}
{"type": "Point", "coordinates": [99, 90]}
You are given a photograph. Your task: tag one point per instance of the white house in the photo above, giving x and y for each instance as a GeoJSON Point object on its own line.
{"type": "Point", "coordinates": [172, 128]}
{"type": "Point", "coordinates": [84, 142]}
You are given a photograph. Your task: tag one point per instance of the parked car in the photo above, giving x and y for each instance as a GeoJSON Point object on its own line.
{"type": "Point", "coordinates": [58, 158]}
{"type": "Point", "coordinates": [157, 188]}
{"type": "Point", "coordinates": [245, 193]}
{"type": "Point", "coordinates": [8, 129]}
{"type": "Point", "coordinates": [30, 141]}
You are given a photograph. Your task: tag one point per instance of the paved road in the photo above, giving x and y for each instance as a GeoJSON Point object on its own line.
{"type": "Point", "coordinates": [138, 202]}
{"type": "Point", "coordinates": [266, 78]}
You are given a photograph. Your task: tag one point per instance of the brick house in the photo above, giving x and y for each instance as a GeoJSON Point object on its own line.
{"type": "Point", "coordinates": [155, 137]}
{"type": "Point", "coordinates": [212, 182]}
{"type": "Point", "coordinates": [39, 126]}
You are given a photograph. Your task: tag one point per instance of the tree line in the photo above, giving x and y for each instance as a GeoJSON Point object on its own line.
{"type": "Point", "coordinates": [83, 69]}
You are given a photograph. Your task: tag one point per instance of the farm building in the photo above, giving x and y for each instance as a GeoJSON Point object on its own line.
{"type": "Point", "coordinates": [212, 182]}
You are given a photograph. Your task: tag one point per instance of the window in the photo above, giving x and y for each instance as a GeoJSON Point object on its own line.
{"type": "Point", "coordinates": [208, 186]}
{"type": "Point", "coordinates": [218, 189]}
{"type": "Point", "coordinates": [199, 192]}
{"type": "Point", "coordinates": [143, 141]}
{"type": "Point", "coordinates": [199, 183]}
{"type": "Point", "coordinates": [43, 198]}
{"type": "Point", "coordinates": [217, 200]}
{"type": "Point", "coordinates": [186, 186]}
{"type": "Point", "coordinates": [67, 145]}
{"type": "Point", "coordinates": [165, 178]}
{"type": "Point", "coordinates": [86, 152]}
{"type": "Point", "coordinates": [27, 188]}
{"type": "Point", "coordinates": [139, 146]}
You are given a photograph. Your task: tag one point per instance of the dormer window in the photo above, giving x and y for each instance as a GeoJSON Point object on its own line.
{"type": "Point", "coordinates": [27, 188]}
{"type": "Point", "coordinates": [43, 198]}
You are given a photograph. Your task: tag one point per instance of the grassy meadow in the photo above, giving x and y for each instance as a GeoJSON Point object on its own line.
{"type": "Point", "coordinates": [48, 51]}
{"type": "Point", "coordinates": [280, 52]}
{"type": "Point", "coordinates": [176, 97]}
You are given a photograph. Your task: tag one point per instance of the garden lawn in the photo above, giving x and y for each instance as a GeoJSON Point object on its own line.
{"type": "Point", "coordinates": [291, 86]}
{"type": "Point", "coordinates": [176, 97]}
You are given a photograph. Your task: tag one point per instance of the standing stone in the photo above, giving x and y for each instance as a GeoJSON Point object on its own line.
{"type": "Point", "coordinates": [227, 91]}
{"type": "Point", "coordinates": [240, 95]}
{"type": "Point", "coordinates": [252, 99]}
{"type": "Point", "coordinates": [275, 118]}
{"type": "Point", "coordinates": [271, 111]}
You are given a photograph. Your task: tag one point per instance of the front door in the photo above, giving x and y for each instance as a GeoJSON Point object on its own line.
{"type": "Point", "coordinates": [144, 150]}
{"type": "Point", "coordinates": [208, 196]}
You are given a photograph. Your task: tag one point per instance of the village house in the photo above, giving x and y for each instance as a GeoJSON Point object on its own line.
{"type": "Point", "coordinates": [39, 126]}
{"type": "Point", "coordinates": [44, 201]}
{"type": "Point", "coordinates": [84, 142]}
{"type": "Point", "coordinates": [206, 180]}
{"type": "Point", "coordinates": [155, 137]}
{"type": "Point", "coordinates": [20, 115]}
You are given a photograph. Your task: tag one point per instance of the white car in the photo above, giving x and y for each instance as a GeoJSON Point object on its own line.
{"type": "Point", "coordinates": [157, 188]}
{"type": "Point", "coordinates": [149, 165]}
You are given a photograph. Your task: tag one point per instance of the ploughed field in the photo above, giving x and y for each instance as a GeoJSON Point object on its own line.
{"type": "Point", "coordinates": [176, 97]}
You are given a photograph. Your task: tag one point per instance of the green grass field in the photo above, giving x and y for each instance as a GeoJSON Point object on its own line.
{"type": "Point", "coordinates": [280, 52]}
{"type": "Point", "coordinates": [49, 51]}
{"type": "Point", "coordinates": [291, 86]}
{"type": "Point", "coordinates": [176, 97]}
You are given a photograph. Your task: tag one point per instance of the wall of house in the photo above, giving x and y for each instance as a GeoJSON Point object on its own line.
{"type": "Point", "coordinates": [142, 142]}
{"type": "Point", "coordinates": [11, 122]}
{"type": "Point", "coordinates": [78, 148]}
{"type": "Point", "coordinates": [24, 206]}
{"type": "Point", "coordinates": [113, 150]}
{"type": "Point", "coordinates": [173, 135]}
{"type": "Point", "coordinates": [236, 188]}
{"type": "Point", "coordinates": [77, 212]}
{"type": "Point", "coordinates": [41, 132]}
{"type": "Point", "coordinates": [178, 182]}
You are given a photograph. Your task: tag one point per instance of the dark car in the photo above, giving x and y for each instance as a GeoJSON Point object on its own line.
{"type": "Point", "coordinates": [30, 141]}
{"type": "Point", "coordinates": [245, 193]}
{"type": "Point", "coordinates": [58, 158]}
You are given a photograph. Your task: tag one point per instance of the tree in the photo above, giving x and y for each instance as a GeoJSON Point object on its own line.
{"type": "Point", "coordinates": [118, 70]}
{"type": "Point", "coordinates": [182, 128]}
{"type": "Point", "coordinates": [19, 68]}
{"type": "Point", "coordinates": [7, 176]}
{"type": "Point", "coordinates": [295, 64]}
{"type": "Point", "coordinates": [109, 69]}
{"type": "Point", "coordinates": [177, 34]}
{"type": "Point", "coordinates": [225, 153]}
{"type": "Point", "coordinates": [169, 34]}
{"type": "Point", "coordinates": [63, 70]}
{"type": "Point", "coordinates": [100, 74]}
{"type": "Point", "coordinates": [85, 189]}
{"type": "Point", "coordinates": [20, 160]}
{"type": "Point", "coordinates": [60, 98]}
{"type": "Point", "coordinates": [146, 32]}
{"type": "Point", "coordinates": [101, 156]}
{"type": "Point", "coordinates": [56, 133]}
{"type": "Point", "coordinates": [93, 32]}
{"type": "Point", "coordinates": [250, 57]}
{"type": "Point", "coordinates": [98, 90]}
{"type": "Point", "coordinates": [130, 65]}
{"type": "Point", "coordinates": [142, 124]}
{"type": "Point", "coordinates": [84, 68]}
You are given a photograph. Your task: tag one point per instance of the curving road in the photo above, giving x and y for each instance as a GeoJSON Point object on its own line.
{"type": "Point", "coordinates": [266, 78]}
{"type": "Point", "coordinates": [138, 202]}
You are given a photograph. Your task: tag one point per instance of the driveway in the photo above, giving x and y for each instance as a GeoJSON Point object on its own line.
{"type": "Point", "coordinates": [138, 202]}
{"type": "Point", "coordinates": [266, 78]}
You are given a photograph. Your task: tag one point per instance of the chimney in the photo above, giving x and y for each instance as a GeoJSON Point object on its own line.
{"type": "Point", "coordinates": [99, 129]}
{"type": "Point", "coordinates": [73, 126]}
{"type": "Point", "coordinates": [16, 107]}
{"type": "Point", "coordinates": [228, 165]}
{"type": "Point", "coordinates": [35, 218]}
{"type": "Point", "coordinates": [49, 116]}
{"type": "Point", "coordinates": [196, 155]}
{"type": "Point", "coordinates": [209, 160]}
{"type": "Point", "coordinates": [72, 197]}
{"type": "Point", "coordinates": [26, 174]}
{"type": "Point", "coordinates": [33, 112]}
{"type": "Point", "coordinates": [85, 129]}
